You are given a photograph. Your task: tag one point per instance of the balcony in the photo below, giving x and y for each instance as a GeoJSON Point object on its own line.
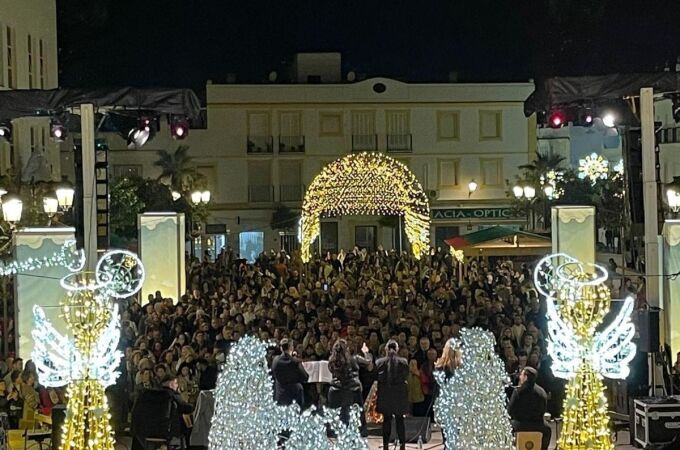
{"type": "Point", "coordinates": [291, 144]}
{"type": "Point", "coordinates": [291, 192]}
{"type": "Point", "coordinates": [364, 142]}
{"type": "Point", "coordinates": [260, 193]}
{"type": "Point", "coordinates": [399, 143]}
{"type": "Point", "coordinates": [260, 144]}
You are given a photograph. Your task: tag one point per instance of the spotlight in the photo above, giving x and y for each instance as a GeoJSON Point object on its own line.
{"type": "Point", "coordinates": [586, 117]}
{"type": "Point", "coordinates": [6, 131]}
{"type": "Point", "coordinates": [139, 135]}
{"type": "Point", "coordinates": [557, 119]}
{"type": "Point", "coordinates": [179, 128]}
{"type": "Point", "coordinates": [58, 131]}
{"type": "Point", "coordinates": [609, 119]}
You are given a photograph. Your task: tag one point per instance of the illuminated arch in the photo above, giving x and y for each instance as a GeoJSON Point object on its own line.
{"type": "Point", "coordinates": [366, 184]}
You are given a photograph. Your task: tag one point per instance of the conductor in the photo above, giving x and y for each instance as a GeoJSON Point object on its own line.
{"type": "Point", "coordinates": [288, 376]}
{"type": "Point", "coordinates": [392, 392]}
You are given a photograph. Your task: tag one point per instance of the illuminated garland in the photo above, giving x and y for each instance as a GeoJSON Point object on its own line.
{"type": "Point", "coordinates": [88, 363]}
{"type": "Point", "coordinates": [471, 405]}
{"type": "Point", "coordinates": [67, 256]}
{"type": "Point", "coordinates": [247, 418]}
{"type": "Point", "coordinates": [577, 302]}
{"type": "Point", "coordinates": [366, 184]}
{"type": "Point", "coordinates": [552, 183]}
{"type": "Point", "coordinates": [458, 255]}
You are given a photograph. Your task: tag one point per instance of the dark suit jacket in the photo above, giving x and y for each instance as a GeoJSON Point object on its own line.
{"type": "Point", "coordinates": [392, 386]}
{"type": "Point", "coordinates": [289, 376]}
{"type": "Point", "coordinates": [528, 404]}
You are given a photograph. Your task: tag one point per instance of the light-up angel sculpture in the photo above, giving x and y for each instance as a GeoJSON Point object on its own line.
{"type": "Point", "coordinates": [89, 362]}
{"type": "Point", "coordinates": [577, 303]}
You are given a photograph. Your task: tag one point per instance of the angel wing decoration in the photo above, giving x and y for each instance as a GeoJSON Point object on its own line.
{"type": "Point", "coordinates": [58, 362]}
{"type": "Point", "coordinates": [613, 349]}
{"type": "Point", "coordinates": [56, 358]}
{"type": "Point", "coordinates": [562, 345]}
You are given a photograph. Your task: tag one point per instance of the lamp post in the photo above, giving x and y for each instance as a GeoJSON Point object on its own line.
{"type": "Point", "coordinates": [527, 192]}
{"type": "Point", "coordinates": [472, 187]}
{"type": "Point", "coordinates": [673, 195]}
{"type": "Point", "coordinates": [198, 199]}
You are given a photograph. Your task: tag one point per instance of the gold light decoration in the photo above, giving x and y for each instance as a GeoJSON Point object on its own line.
{"type": "Point", "coordinates": [87, 313]}
{"type": "Point", "coordinates": [577, 302]}
{"type": "Point", "coordinates": [593, 167]}
{"type": "Point", "coordinates": [366, 184]}
{"type": "Point", "coordinates": [458, 255]}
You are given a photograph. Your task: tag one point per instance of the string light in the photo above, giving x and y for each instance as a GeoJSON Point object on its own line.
{"type": "Point", "coordinates": [67, 256]}
{"type": "Point", "coordinates": [471, 405]}
{"type": "Point", "coordinates": [552, 183]}
{"type": "Point", "coordinates": [247, 418]}
{"type": "Point", "coordinates": [577, 302]}
{"type": "Point", "coordinates": [88, 363]}
{"type": "Point", "coordinates": [458, 255]}
{"type": "Point", "coordinates": [366, 184]}
{"type": "Point", "coordinates": [593, 167]}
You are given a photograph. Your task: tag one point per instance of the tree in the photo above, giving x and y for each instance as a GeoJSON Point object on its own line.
{"type": "Point", "coordinates": [125, 205]}
{"type": "Point", "coordinates": [177, 167]}
{"type": "Point", "coordinates": [471, 405]}
{"type": "Point", "coordinates": [544, 163]}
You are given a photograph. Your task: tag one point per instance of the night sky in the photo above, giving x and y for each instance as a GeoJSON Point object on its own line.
{"type": "Point", "coordinates": [183, 43]}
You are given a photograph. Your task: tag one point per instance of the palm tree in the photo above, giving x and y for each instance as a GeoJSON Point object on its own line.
{"type": "Point", "coordinates": [176, 166]}
{"type": "Point", "coordinates": [544, 163]}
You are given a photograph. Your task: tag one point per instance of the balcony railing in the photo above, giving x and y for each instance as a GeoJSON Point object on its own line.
{"type": "Point", "coordinates": [668, 135]}
{"type": "Point", "coordinates": [260, 193]}
{"type": "Point", "coordinates": [399, 143]}
{"type": "Point", "coordinates": [291, 144]}
{"type": "Point", "coordinates": [291, 192]}
{"type": "Point", "coordinates": [260, 144]}
{"type": "Point", "coordinates": [364, 142]}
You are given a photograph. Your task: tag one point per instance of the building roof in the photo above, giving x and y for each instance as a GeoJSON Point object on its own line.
{"type": "Point", "coordinates": [501, 241]}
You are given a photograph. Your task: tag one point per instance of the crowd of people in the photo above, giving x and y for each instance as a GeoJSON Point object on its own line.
{"type": "Point", "coordinates": [359, 300]}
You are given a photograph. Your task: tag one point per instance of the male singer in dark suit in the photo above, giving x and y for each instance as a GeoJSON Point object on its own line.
{"type": "Point", "coordinates": [289, 376]}
{"type": "Point", "coordinates": [528, 405]}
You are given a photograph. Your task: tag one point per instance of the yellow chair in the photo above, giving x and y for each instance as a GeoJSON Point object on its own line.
{"type": "Point", "coordinates": [528, 440]}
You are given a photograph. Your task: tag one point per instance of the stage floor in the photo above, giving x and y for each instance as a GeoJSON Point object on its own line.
{"type": "Point", "coordinates": [375, 442]}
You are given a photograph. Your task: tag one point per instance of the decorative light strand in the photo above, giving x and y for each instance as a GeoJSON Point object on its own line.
{"type": "Point", "coordinates": [247, 418]}
{"type": "Point", "coordinates": [366, 184]}
{"type": "Point", "coordinates": [67, 256]}
{"type": "Point", "coordinates": [577, 302]}
{"type": "Point", "coordinates": [593, 167]}
{"type": "Point", "coordinates": [471, 404]}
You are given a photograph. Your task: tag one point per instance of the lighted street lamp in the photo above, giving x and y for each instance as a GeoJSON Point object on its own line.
{"type": "Point", "coordinates": [175, 196]}
{"type": "Point", "coordinates": [12, 207]}
{"type": "Point", "coordinates": [200, 197]}
{"type": "Point", "coordinates": [472, 187]}
{"type": "Point", "coordinates": [673, 194]}
{"type": "Point", "coordinates": [65, 193]}
{"type": "Point", "coordinates": [50, 206]}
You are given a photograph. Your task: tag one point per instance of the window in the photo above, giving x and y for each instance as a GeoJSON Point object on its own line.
{"type": "Point", "coordinates": [490, 125]}
{"type": "Point", "coordinates": [364, 237]}
{"type": "Point", "coordinates": [251, 244]}
{"type": "Point", "coordinates": [492, 171]}
{"type": "Point", "coordinates": [31, 62]}
{"type": "Point", "coordinates": [448, 173]}
{"type": "Point", "coordinates": [41, 67]}
{"type": "Point", "coordinates": [448, 125]}
{"type": "Point", "coordinates": [127, 171]}
{"type": "Point", "coordinates": [329, 237]}
{"type": "Point", "coordinates": [330, 124]}
{"type": "Point", "coordinates": [10, 55]}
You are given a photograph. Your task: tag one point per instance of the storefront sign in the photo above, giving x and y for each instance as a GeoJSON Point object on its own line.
{"type": "Point", "coordinates": [471, 213]}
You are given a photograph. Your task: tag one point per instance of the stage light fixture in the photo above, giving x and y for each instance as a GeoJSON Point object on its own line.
{"type": "Point", "coordinates": [58, 131]}
{"type": "Point", "coordinates": [609, 119]}
{"type": "Point", "coordinates": [6, 131]}
{"type": "Point", "coordinates": [586, 117]}
{"type": "Point", "coordinates": [557, 119]}
{"type": "Point", "coordinates": [179, 128]}
{"type": "Point", "coordinates": [139, 135]}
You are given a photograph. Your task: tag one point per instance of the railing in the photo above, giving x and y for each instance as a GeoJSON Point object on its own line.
{"type": "Point", "coordinates": [291, 144]}
{"type": "Point", "coordinates": [291, 192]}
{"type": "Point", "coordinates": [362, 142]}
{"type": "Point", "coordinates": [399, 143]}
{"type": "Point", "coordinates": [261, 193]}
{"type": "Point", "coordinates": [260, 144]}
{"type": "Point", "coordinates": [668, 135]}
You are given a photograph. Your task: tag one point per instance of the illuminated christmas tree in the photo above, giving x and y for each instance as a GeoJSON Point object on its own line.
{"type": "Point", "coordinates": [471, 407]}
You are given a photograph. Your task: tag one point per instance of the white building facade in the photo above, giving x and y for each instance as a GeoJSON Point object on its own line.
{"type": "Point", "coordinates": [28, 60]}
{"type": "Point", "coordinates": [265, 143]}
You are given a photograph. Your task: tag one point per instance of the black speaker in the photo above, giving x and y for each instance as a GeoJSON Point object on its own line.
{"type": "Point", "coordinates": [415, 427]}
{"type": "Point", "coordinates": [58, 417]}
{"type": "Point", "coordinates": [648, 327]}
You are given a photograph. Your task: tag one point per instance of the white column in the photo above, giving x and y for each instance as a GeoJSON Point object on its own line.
{"type": "Point", "coordinates": [89, 202]}
{"type": "Point", "coordinates": [649, 190]}
{"type": "Point", "coordinates": [573, 232]}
